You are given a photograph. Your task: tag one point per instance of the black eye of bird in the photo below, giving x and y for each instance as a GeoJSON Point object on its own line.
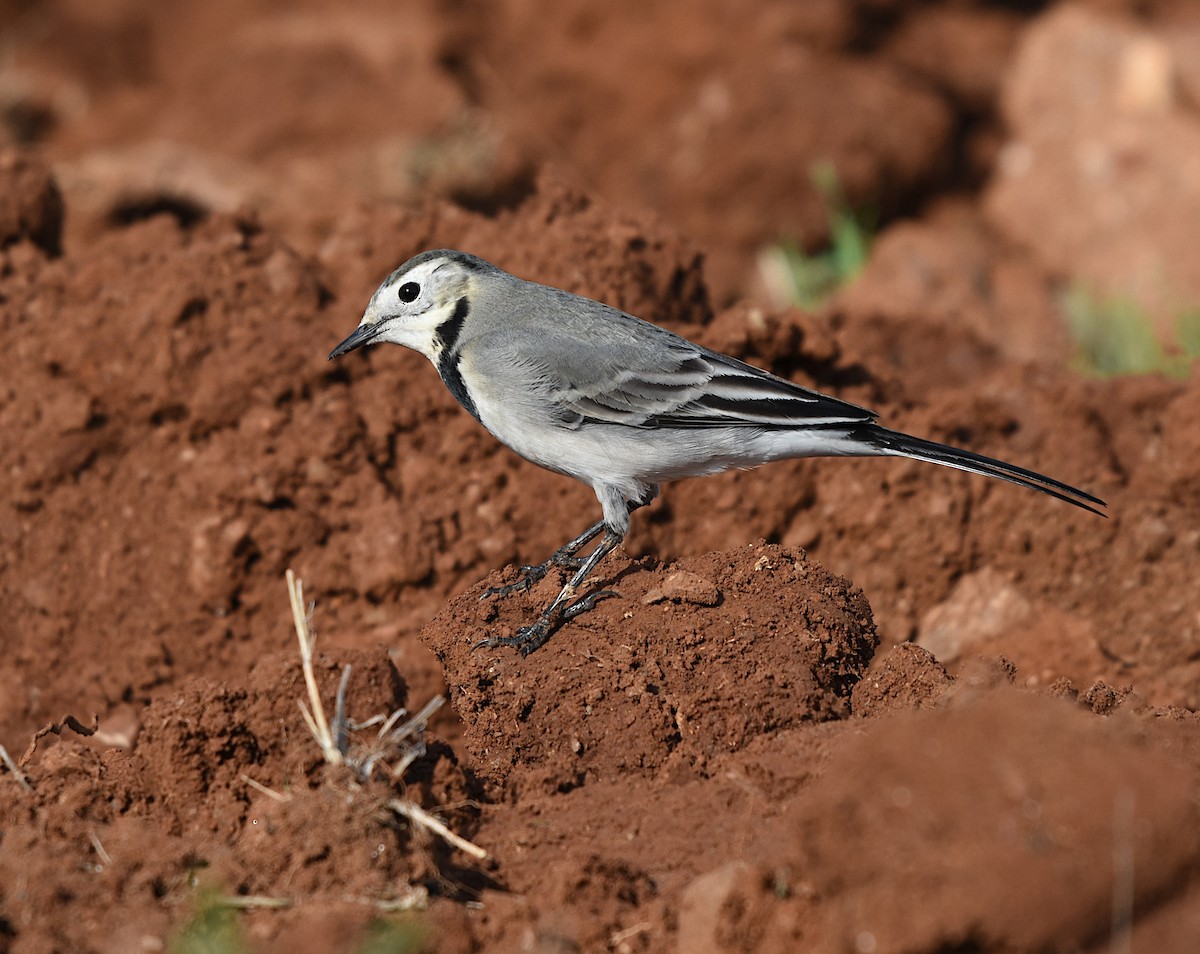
{"type": "Point", "coordinates": [409, 291]}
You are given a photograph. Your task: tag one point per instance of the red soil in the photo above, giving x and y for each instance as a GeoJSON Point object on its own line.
{"type": "Point", "coordinates": [743, 750]}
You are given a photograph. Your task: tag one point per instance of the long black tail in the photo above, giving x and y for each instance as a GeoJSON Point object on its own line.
{"type": "Point", "coordinates": [905, 445]}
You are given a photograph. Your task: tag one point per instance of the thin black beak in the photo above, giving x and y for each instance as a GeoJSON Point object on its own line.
{"type": "Point", "coordinates": [361, 335]}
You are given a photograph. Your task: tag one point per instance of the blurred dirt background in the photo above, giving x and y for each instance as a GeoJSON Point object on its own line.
{"type": "Point", "coordinates": [851, 706]}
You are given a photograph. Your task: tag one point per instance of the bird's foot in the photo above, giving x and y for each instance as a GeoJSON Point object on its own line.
{"type": "Point", "coordinates": [525, 640]}
{"type": "Point", "coordinates": [526, 577]}
{"type": "Point", "coordinates": [529, 574]}
{"type": "Point", "coordinates": [528, 638]}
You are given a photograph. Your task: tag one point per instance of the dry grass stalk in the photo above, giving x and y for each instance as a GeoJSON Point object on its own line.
{"type": "Point", "coordinates": [314, 718]}
{"type": "Point", "coordinates": [20, 776]}
{"type": "Point", "coordinates": [395, 746]}
{"type": "Point", "coordinates": [418, 816]}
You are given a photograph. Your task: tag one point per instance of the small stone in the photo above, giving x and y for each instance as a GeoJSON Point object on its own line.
{"type": "Point", "coordinates": [683, 586]}
{"type": "Point", "coordinates": [983, 604]}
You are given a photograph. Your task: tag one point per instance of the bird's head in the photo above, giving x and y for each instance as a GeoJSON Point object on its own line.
{"type": "Point", "coordinates": [416, 302]}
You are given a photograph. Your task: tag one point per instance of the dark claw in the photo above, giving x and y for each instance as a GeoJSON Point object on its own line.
{"type": "Point", "coordinates": [528, 576]}
{"type": "Point", "coordinates": [563, 557]}
{"type": "Point", "coordinates": [529, 638]}
{"type": "Point", "coordinates": [587, 604]}
{"type": "Point", "coordinates": [526, 640]}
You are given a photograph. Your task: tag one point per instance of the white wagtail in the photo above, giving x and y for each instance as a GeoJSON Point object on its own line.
{"type": "Point", "coordinates": [583, 389]}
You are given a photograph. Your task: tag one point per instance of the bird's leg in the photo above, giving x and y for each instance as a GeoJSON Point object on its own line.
{"type": "Point", "coordinates": [564, 556]}
{"type": "Point", "coordinates": [529, 638]}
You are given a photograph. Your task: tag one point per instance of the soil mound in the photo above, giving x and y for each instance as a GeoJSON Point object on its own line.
{"type": "Point", "coordinates": [680, 663]}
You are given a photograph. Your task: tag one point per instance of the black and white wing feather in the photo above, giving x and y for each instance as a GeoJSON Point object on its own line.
{"type": "Point", "coordinates": [687, 386]}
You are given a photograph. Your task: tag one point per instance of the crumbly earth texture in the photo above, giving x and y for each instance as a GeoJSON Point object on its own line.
{"type": "Point", "coordinates": [851, 705]}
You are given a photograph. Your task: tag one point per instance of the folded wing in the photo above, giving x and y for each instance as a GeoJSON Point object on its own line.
{"type": "Point", "coordinates": [687, 386]}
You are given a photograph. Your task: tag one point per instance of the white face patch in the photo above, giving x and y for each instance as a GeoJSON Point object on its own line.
{"type": "Point", "coordinates": [411, 307]}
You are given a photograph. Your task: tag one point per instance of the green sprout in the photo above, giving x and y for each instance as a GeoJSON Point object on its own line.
{"type": "Point", "coordinates": [214, 927]}
{"type": "Point", "coordinates": [1114, 336]}
{"type": "Point", "coordinates": [399, 936]}
{"type": "Point", "coordinates": [809, 278]}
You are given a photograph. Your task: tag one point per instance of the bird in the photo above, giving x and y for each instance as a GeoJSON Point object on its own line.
{"type": "Point", "coordinates": [587, 390]}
